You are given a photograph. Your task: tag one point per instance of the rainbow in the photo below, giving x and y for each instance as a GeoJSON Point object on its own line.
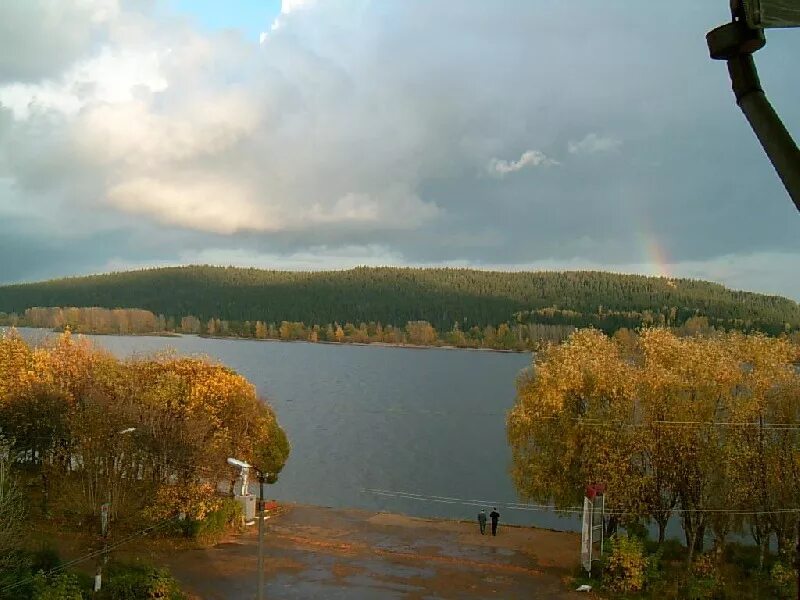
{"type": "Point", "coordinates": [655, 257]}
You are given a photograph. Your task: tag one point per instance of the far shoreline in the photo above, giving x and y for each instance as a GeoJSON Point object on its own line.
{"type": "Point", "coordinates": [174, 334]}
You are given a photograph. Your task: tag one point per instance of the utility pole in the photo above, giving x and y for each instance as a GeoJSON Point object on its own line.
{"type": "Point", "coordinates": [260, 535]}
{"type": "Point", "coordinates": [98, 577]}
{"type": "Point", "coordinates": [735, 42]}
{"type": "Point", "coordinates": [262, 478]}
{"type": "Point", "coordinates": [104, 513]}
{"type": "Point", "coordinates": [797, 559]}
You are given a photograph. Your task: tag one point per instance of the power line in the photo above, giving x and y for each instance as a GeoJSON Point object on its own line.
{"type": "Point", "coordinates": [597, 422]}
{"type": "Point", "coordinates": [589, 421]}
{"type": "Point", "coordinates": [90, 555]}
{"type": "Point", "coordinates": [567, 510]}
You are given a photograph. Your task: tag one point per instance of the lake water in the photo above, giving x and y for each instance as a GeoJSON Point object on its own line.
{"type": "Point", "coordinates": [427, 422]}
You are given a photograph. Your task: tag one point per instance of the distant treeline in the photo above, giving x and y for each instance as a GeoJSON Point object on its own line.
{"type": "Point", "coordinates": [517, 336]}
{"type": "Point", "coordinates": [514, 336]}
{"type": "Point", "coordinates": [396, 296]}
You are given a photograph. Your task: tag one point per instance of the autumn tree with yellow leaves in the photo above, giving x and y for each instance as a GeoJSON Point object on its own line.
{"type": "Point", "coordinates": [705, 428]}
{"type": "Point", "coordinates": [63, 406]}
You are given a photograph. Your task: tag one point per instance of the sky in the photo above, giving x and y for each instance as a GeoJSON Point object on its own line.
{"type": "Point", "coordinates": [317, 134]}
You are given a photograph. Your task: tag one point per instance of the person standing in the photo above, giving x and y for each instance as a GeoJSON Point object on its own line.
{"type": "Point", "coordinates": [482, 520]}
{"type": "Point", "coordinates": [495, 516]}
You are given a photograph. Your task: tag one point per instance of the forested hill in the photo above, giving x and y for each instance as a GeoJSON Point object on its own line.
{"type": "Point", "coordinates": [398, 295]}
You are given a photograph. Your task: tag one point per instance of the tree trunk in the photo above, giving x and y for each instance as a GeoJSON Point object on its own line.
{"type": "Point", "coordinates": [662, 531]}
{"type": "Point", "coordinates": [694, 536]}
{"type": "Point", "coordinates": [700, 539]}
{"type": "Point", "coordinates": [45, 492]}
{"type": "Point", "coordinates": [785, 547]}
{"type": "Point", "coordinates": [611, 529]}
{"type": "Point", "coordinates": [719, 546]}
{"type": "Point", "coordinates": [688, 530]}
{"type": "Point", "coordinates": [691, 544]}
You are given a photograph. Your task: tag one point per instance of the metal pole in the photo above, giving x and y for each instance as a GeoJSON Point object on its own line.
{"type": "Point", "coordinates": [260, 536]}
{"type": "Point", "coordinates": [591, 535]}
{"type": "Point", "coordinates": [105, 528]}
{"type": "Point", "coordinates": [603, 524]}
{"type": "Point", "coordinates": [765, 122]}
{"type": "Point", "coordinates": [98, 577]}
{"type": "Point", "coordinates": [797, 559]}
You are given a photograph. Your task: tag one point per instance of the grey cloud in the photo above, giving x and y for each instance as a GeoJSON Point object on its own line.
{"type": "Point", "coordinates": [593, 143]}
{"type": "Point", "coordinates": [39, 38]}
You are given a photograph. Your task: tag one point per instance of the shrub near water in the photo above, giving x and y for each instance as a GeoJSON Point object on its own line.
{"type": "Point", "coordinates": [134, 582]}
{"type": "Point", "coordinates": [59, 587]}
{"type": "Point", "coordinates": [626, 565]}
{"type": "Point", "coordinates": [782, 580]}
{"type": "Point", "coordinates": [227, 514]}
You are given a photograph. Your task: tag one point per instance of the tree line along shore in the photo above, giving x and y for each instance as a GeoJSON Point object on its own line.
{"type": "Point", "coordinates": [95, 320]}
{"type": "Point", "coordinates": [507, 337]}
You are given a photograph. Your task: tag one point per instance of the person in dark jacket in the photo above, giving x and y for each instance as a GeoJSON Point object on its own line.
{"type": "Point", "coordinates": [482, 520]}
{"type": "Point", "coordinates": [495, 516]}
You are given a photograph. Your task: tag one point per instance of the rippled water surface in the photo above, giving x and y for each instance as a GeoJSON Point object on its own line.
{"type": "Point", "coordinates": [419, 421]}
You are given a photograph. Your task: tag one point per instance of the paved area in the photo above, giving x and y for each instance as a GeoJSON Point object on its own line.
{"type": "Point", "coordinates": [314, 552]}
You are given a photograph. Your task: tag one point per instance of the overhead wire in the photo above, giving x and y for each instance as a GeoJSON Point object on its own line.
{"type": "Point", "coordinates": [92, 554]}
{"type": "Point", "coordinates": [555, 509]}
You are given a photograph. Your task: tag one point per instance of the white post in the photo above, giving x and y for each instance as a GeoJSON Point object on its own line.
{"type": "Point", "coordinates": [586, 536]}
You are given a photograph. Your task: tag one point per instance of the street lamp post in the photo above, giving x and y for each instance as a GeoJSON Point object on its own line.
{"type": "Point", "coordinates": [260, 595]}
{"type": "Point", "coordinates": [104, 519]}
{"type": "Point", "coordinates": [244, 468]}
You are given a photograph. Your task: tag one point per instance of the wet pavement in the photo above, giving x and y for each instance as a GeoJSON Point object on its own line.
{"type": "Point", "coordinates": [314, 552]}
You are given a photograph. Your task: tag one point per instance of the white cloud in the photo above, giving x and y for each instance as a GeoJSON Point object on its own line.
{"type": "Point", "coordinates": [155, 126]}
{"type": "Point", "coordinates": [529, 158]}
{"type": "Point", "coordinates": [315, 257]}
{"type": "Point", "coordinates": [113, 76]}
{"type": "Point", "coordinates": [141, 137]}
{"type": "Point", "coordinates": [200, 203]}
{"type": "Point", "coordinates": [287, 7]}
{"type": "Point", "coordinates": [594, 144]}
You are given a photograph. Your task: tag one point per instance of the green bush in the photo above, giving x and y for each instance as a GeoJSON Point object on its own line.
{"type": "Point", "coordinates": [46, 558]}
{"type": "Point", "coordinates": [704, 580]}
{"type": "Point", "coordinates": [746, 557]}
{"type": "Point", "coordinates": [216, 523]}
{"type": "Point", "coordinates": [64, 586]}
{"type": "Point", "coordinates": [669, 550]}
{"type": "Point", "coordinates": [638, 530]}
{"type": "Point", "coordinates": [654, 570]}
{"type": "Point", "coordinates": [782, 580]}
{"type": "Point", "coordinates": [137, 582]}
{"type": "Point", "coordinates": [19, 578]}
{"type": "Point", "coordinates": [626, 565]}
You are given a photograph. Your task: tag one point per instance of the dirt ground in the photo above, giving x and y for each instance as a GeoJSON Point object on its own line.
{"type": "Point", "coordinates": [314, 552]}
